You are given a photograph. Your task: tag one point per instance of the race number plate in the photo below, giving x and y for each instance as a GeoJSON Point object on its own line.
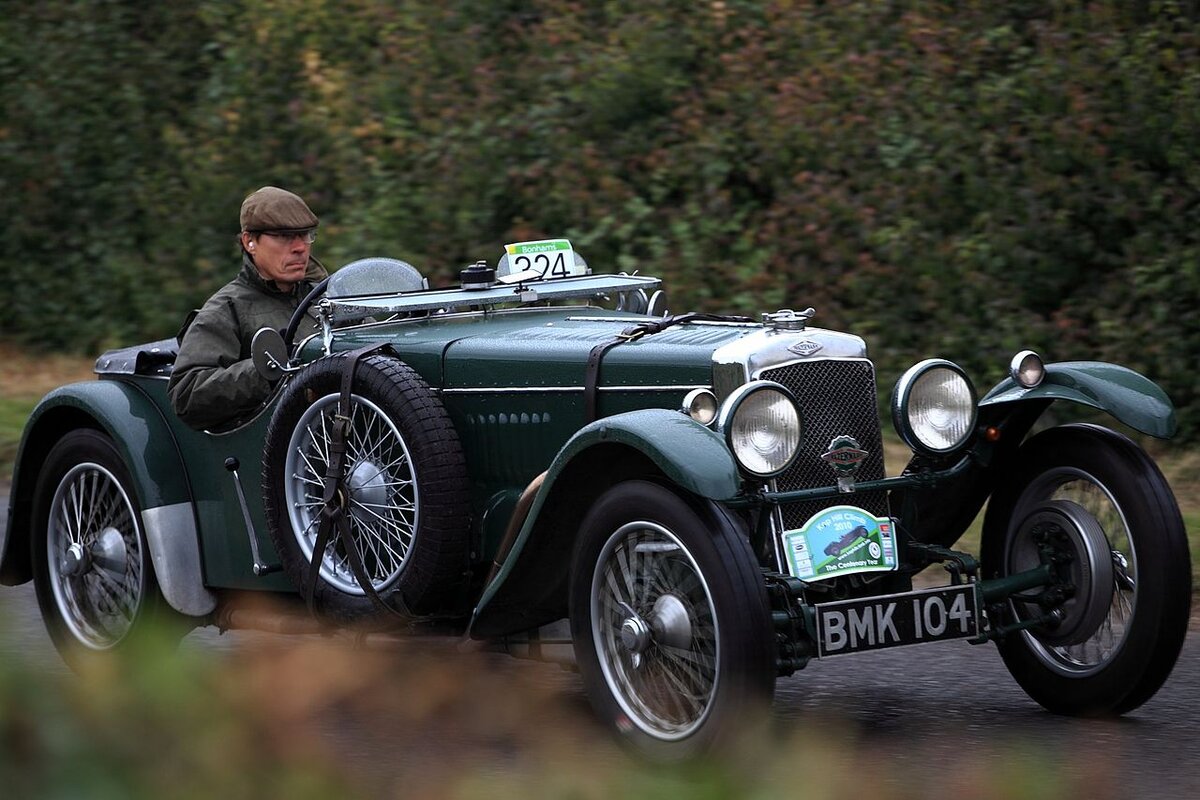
{"type": "Point", "coordinates": [873, 623]}
{"type": "Point", "coordinates": [551, 258]}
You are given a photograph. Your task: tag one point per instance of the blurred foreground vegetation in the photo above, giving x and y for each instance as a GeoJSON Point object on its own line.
{"type": "Point", "coordinates": [961, 179]}
{"type": "Point", "coordinates": [307, 717]}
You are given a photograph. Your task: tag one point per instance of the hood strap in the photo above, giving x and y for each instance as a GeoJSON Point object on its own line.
{"type": "Point", "coordinates": [591, 379]}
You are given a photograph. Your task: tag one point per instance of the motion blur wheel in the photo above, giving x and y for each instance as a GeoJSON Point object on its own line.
{"type": "Point", "coordinates": [92, 570]}
{"type": "Point", "coordinates": [670, 622]}
{"type": "Point", "coordinates": [403, 490]}
{"type": "Point", "coordinates": [1112, 644]}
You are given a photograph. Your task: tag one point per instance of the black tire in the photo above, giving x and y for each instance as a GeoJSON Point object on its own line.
{"type": "Point", "coordinates": [1123, 661]}
{"type": "Point", "coordinates": [101, 595]}
{"type": "Point", "coordinates": [701, 625]}
{"type": "Point", "coordinates": [409, 511]}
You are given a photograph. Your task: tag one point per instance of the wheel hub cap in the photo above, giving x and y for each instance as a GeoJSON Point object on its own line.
{"type": "Point", "coordinates": [670, 622]}
{"type": "Point", "coordinates": [1082, 559]}
{"type": "Point", "coordinates": [109, 553]}
{"type": "Point", "coordinates": [368, 483]}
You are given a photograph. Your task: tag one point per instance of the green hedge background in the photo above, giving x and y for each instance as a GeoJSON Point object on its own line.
{"type": "Point", "coordinates": [962, 179]}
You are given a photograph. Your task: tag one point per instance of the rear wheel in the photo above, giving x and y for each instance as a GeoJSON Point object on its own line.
{"type": "Point", "coordinates": [1114, 642]}
{"type": "Point", "coordinates": [94, 582]}
{"type": "Point", "coordinates": [670, 622]}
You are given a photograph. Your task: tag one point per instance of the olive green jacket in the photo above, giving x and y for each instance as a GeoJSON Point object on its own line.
{"type": "Point", "coordinates": [214, 383]}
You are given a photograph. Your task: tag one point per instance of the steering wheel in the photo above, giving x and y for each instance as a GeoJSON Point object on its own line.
{"type": "Point", "coordinates": [289, 333]}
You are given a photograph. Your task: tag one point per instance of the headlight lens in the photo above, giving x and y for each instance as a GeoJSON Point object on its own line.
{"type": "Point", "coordinates": [762, 425]}
{"type": "Point", "coordinates": [933, 407]}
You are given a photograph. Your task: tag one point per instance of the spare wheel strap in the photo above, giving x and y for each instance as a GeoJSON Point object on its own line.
{"type": "Point", "coordinates": [336, 499]}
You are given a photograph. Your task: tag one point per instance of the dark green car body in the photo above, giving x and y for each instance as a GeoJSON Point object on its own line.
{"type": "Point", "coordinates": [558, 407]}
{"type": "Point", "coordinates": [512, 381]}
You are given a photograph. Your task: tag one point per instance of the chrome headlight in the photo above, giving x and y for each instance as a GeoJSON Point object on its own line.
{"type": "Point", "coordinates": [700, 405]}
{"type": "Point", "coordinates": [1027, 369]}
{"type": "Point", "coordinates": [933, 407]}
{"type": "Point", "coordinates": [761, 424]}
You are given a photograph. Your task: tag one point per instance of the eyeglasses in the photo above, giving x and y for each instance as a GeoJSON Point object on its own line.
{"type": "Point", "coordinates": [287, 237]}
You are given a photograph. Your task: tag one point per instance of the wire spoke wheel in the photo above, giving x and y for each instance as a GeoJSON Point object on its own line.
{"type": "Point", "coordinates": [94, 555]}
{"type": "Point", "coordinates": [670, 622]}
{"type": "Point", "coordinates": [92, 570]}
{"type": "Point", "coordinates": [380, 495]}
{"type": "Point", "coordinates": [656, 631]}
{"type": "Point", "coordinates": [402, 491]}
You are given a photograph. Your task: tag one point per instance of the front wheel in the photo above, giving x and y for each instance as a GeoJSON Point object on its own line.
{"type": "Point", "coordinates": [670, 621]}
{"type": "Point", "coordinates": [1114, 641]}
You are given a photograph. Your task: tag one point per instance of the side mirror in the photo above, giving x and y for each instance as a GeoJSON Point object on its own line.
{"type": "Point", "coordinates": [269, 354]}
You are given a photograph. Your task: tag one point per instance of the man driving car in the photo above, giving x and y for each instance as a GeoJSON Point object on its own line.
{"type": "Point", "coordinates": [214, 383]}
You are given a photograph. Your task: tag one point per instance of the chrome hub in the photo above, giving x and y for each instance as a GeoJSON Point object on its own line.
{"type": "Point", "coordinates": [670, 622]}
{"type": "Point", "coordinates": [109, 553]}
{"type": "Point", "coordinates": [636, 635]}
{"type": "Point", "coordinates": [368, 484]}
{"type": "Point", "coordinates": [75, 561]}
{"type": "Point", "coordinates": [669, 625]}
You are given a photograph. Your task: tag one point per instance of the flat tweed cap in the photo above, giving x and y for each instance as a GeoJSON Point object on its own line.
{"type": "Point", "coordinates": [274, 209]}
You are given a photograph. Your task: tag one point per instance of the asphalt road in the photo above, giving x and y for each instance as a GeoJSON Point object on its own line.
{"type": "Point", "coordinates": [928, 710]}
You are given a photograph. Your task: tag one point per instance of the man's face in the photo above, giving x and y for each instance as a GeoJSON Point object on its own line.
{"type": "Point", "coordinates": [280, 257]}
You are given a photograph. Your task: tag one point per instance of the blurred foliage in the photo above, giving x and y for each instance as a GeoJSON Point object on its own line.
{"type": "Point", "coordinates": [962, 179]}
{"type": "Point", "coordinates": [313, 717]}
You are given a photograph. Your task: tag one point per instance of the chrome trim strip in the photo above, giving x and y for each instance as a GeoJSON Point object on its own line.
{"type": "Point", "coordinates": [175, 552]}
{"type": "Point", "coordinates": [567, 389]}
{"type": "Point", "coordinates": [437, 315]}
{"type": "Point", "coordinates": [714, 323]}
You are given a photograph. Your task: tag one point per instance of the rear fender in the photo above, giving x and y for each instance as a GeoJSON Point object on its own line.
{"type": "Point", "coordinates": [1130, 397]}
{"type": "Point", "coordinates": [150, 452]}
{"type": "Point", "coordinates": [529, 589]}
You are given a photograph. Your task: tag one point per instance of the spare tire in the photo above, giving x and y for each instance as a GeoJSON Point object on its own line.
{"type": "Point", "coordinates": [406, 488]}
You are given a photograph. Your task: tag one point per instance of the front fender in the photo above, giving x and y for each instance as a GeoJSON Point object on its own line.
{"type": "Point", "coordinates": [688, 453]}
{"type": "Point", "coordinates": [1130, 397]}
{"type": "Point", "coordinates": [530, 586]}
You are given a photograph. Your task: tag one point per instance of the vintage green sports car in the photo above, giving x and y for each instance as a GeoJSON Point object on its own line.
{"type": "Point", "coordinates": [491, 459]}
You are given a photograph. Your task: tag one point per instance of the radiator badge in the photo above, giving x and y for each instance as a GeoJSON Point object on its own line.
{"type": "Point", "coordinates": [805, 347]}
{"type": "Point", "coordinates": [845, 456]}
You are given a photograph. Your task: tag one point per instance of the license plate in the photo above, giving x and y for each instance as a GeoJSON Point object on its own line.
{"type": "Point", "coordinates": [873, 623]}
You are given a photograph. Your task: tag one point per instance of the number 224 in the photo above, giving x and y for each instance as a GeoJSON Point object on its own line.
{"type": "Point", "coordinates": [541, 262]}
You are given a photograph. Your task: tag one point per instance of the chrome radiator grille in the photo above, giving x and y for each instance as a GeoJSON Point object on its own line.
{"type": "Point", "coordinates": [837, 398]}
